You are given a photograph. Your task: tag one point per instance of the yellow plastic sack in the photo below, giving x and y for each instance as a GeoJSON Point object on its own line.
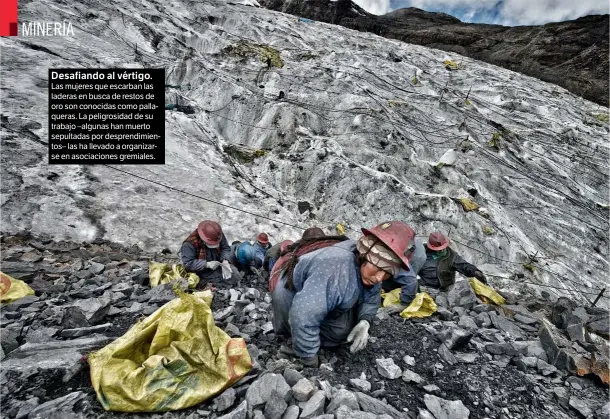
{"type": "Point", "coordinates": [161, 273]}
{"type": "Point", "coordinates": [340, 227]}
{"type": "Point", "coordinates": [485, 293]}
{"type": "Point", "coordinates": [423, 305]}
{"type": "Point", "coordinates": [173, 359]}
{"type": "Point", "coordinates": [12, 289]}
{"type": "Point", "coordinates": [390, 298]}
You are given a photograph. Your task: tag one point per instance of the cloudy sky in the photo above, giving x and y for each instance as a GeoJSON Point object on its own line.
{"type": "Point", "coordinates": [503, 12]}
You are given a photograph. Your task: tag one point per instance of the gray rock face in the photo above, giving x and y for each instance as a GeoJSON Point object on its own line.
{"type": "Point", "coordinates": [562, 395]}
{"type": "Point", "coordinates": [581, 407]}
{"type": "Point", "coordinates": [303, 390]}
{"type": "Point", "coordinates": [275, 406]}
{"type": "Point", "coordinates": [345, 412]}
{"type": "Point", "coordinates": [412, 377]}
{"type": "Point", "coordinates": [343, 398]}
{"type": "Point", "coordinates": [239, 413]}
{"type": "Point", "coordinates": [315, 406]}
{"type": "Point", "coordinates": [27, 407]}
{"type": "Point", "coordinates": [387, 368]}
{"type": "Point", "coordinates": [53, 408]}
{"type": "Point", "coordinates": [462, 295]}
{"type": "Point", "coordinates": [260, 391]}
{"type": "Point", "coordinates": [291, 413]}
{"type": "Point", "coordinates": [361, 384]}
{"type": "Point", "coordinates": [454, 337]}
{"type": "Point", "coordinates": [483, 319]}
{"type": "Point", "coordinates": [507, 326]}
{"type": "Point", "coordinates": [95, 309]}
{"type": "Point", "coordinates": [600, 327]}
{"type": "Point", "coordinates": [467, 323]}
{"type": "Point", "coordinates": [8, 338]}
{"type": "Point", "coordinates": [372, 405]}
{"type": "Point", "coordinates": [445, 409]}
{"type": "Point", "coordinates": [55, 354]}
{"type": "Point", "coordinates": [292, 376]}
{"type": "Point", "coordinates": [225, 400]}
{"type": "Point", "coordinates": [446, 355]}
{"type": "Point", "coordinates": [84, 331]}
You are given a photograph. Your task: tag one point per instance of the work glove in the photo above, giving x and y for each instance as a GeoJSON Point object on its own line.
{"type": "Point", "coordinates": [310, 362]}
{"type": "Point", "coordinates": [395, 308]}
{"type": "Point", "coordinates": [256, 272]}
{"type": "Point", "coordinates": [360, 336]}
{"type": "Point", "coordinates": [479, 275]}
{"type": "Point", "coordinates": [213, 264]}
{"type": "Point", "coordinates": [226, 270]}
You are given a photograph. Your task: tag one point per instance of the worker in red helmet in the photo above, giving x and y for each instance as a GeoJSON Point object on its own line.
{"type": "Point", "coordinates": [331, 295]}
{"type": "Point", "coordinates": [442, 263]}
{"type": "Point", "coordinates": [263, 241]}
{"type": "Point", "coordinates": [206, 252]}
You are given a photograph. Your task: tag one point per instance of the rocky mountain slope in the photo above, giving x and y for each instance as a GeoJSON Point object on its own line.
{"type": "Point", "coordinates": [342, 126]}
{"type": "Point", "coordinates": [470, 360]}
{"type": "Point", "coordinates": [571, 54]}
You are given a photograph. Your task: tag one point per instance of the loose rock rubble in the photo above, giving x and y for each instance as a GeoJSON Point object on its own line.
{"type": "Point", "coordinates": [469, 360]}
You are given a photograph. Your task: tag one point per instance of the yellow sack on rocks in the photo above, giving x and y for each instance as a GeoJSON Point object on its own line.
{"type": "Point", "coordinates": [12, 289]}
{"type": "Point", "coordinates": [423, 305]}
{"type": "Point", "coordinates": [173, 359]}
{"type": "Point", "coordinates": [390, 298]}
{"type": "Point", "coordinates": [486, 293]}
{"type": "Point", "coordinates": [161, 273]}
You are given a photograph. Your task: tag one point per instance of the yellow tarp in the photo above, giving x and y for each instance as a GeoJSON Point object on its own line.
{"type": "Point", "coordinates": [340, 229]}
{"type": "Point", "coordinates": [161, 273]}
{"type": "Point", "coordinates": [12, 289]}
{"type": "Point", "coordinates": [451, 65]}
{"type": "Point", "coordinates": [390, 298]}
{"type": "Point", "coordinates": [173, 359]}
{"type": "Point", "coordinates": [469, 204]}
{"type": "Point", "coordinates": [485, 293]}
{"type": "Point", "coordinates": [423, 305]}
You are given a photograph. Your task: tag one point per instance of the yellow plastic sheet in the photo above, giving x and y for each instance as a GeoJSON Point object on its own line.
{"type": "Point", "coordinates": [340, 227]}
{"type": "Point", "coordinates": [161, 273]}
{"type": "Point", "coordinates": [390, 298]}
{"type": "Point", "coordinates": [486, 293]}
{"type": "Point", "coordinates": [423, 305]}
{"type": "Point", "coordinates": [12, 289]}
{"type": "Point", "coordinates": [173, 359]}
{"type": "Point", "coordinates": [468, 204]}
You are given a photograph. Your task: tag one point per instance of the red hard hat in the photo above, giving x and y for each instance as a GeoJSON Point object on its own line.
{"type": "Point", "coordinates": [285, 244]}
{"type": "Point", "coordinates": [263, 238]}
{"type": "Point", "coordinates": [210, 232]}
{"type": "Point", "coordinates": [397, 236]}
{"type": "Point", "coordinates": [437, 241]}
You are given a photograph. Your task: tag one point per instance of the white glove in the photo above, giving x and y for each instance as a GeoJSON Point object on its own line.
{"type": "Point", "coordinates": [360, 336]}
{"type": "Point", "coordinates": [226, 269]}
{"type": "Point", "coordinates": [213, 264]}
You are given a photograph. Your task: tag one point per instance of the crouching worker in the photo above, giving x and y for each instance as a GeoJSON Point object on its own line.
{"type": "Point", "coordinates": [331, 295]}
{"type": "Point", "coordinates": [246, 257]}
{"type": "Point", "coordinates": [273, 254]}
{"type": "Point", "coordinates": [406, 279]}
{"type": "Point", "coordinates": [442, 263]}
{"type": "Point", "coordinates": [206, 252]}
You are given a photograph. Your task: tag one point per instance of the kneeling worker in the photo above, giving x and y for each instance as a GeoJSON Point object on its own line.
{"type": "Point", "coordinates": [206, 252]}
{"type": "Point", "coordinates": [332, 294]}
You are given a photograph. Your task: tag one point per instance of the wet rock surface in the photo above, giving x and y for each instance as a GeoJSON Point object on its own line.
{"type": "Point", "coordinates": [448, 369]}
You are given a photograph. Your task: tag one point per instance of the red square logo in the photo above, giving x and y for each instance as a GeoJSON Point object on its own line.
{"type": "Point", "coordinates": [8, 18]}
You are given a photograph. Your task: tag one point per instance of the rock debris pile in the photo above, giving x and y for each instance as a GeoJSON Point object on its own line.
{"type": "Point", "coordinates": [530, 358]}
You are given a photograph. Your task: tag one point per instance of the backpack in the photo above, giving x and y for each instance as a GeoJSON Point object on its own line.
{"type": "Point", "coordinates": [289, 258]}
